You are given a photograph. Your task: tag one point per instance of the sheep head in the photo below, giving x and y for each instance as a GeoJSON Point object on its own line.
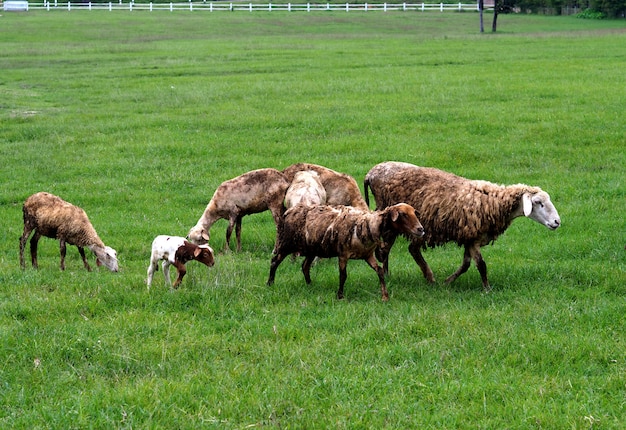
{"type": "Point", "coordinates": [198, 235]}
{"type": "Point", "coordinates": [539, 207]}
{"type": "Point", "coordinates": [106, 256]}
{"type": "Point", "coordinates": [405, 220]}
{"type": "Point", "coordinates": [204, 254]}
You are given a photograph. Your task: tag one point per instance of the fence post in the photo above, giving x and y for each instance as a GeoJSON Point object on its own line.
{"type": "Point", "coordinates": [171, 6]}
{"type": "Point", "coordinates": [69, 7]}
{"type": "Point", "coordinates": [422, 7]}
{"type": "Point", "coordinates": [365, 7]}
{"type": "Point", "coordinates": [269, 7]}
{"type": "Point", "coordinates": [347, 7]}
{"type": "Point", "coordinates": [441, 7]}
{"type": "Point", "coordinates": [288, 7]}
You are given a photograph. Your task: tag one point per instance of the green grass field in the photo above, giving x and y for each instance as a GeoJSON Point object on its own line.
{"type": "Point", "coordinates": [138, 117]}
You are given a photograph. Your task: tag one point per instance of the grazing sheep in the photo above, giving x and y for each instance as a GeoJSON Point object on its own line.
{"type": "Point", "coordinates": [177, 251]}
{"type": "Point", "coordinates": [340, 231]}
{"type": "Point", "coordinates": [306, 189]}
{"type": "Point", "coordinates": [341, 189]}
{"type": "Point", "coordinates": [250, 193]}
{"type": "Point", "coordinates": [50, 216]}
{"type": "Point", "coordinates": [454, 209]}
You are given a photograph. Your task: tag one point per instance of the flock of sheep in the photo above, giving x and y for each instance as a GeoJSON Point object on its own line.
{"type": "Point", "coordinates": [319, 212]}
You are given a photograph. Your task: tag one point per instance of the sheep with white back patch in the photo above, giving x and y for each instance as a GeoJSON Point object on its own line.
{"type": "Point", "coordinates": [50, 216]}
{"type": "Point", "coordinates": [250, 193]}
{"type": "Point", "coordinates": [471, 213]}
{"type": "Point", "coordinates": [305, 189]}
{"type": "Point", "coordinates": [340, 231]}
{"type": "Point", "coordinates": [341, 189]}
{"type": "Point", "coordinates": [177, 251]}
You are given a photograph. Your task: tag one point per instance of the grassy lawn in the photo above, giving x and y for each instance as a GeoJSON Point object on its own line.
{"type": "Point", "coordinates": [138, 117]}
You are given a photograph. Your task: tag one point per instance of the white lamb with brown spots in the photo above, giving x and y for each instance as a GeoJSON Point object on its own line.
{"type": "Point", "coordinates": [341, 189]}
{"type": "Point", "coordinates": [250, 193]}
{"type": "Point", "coordinates": [177, 251]}
{"type": "Point", "coordinates": [50, 216]}
{"type": "Point", "coordinates": [305, 189]}
{"type": "Point", "coordinates": [341, 231]}
{"type": "Point", "coordinates": [471, 213]}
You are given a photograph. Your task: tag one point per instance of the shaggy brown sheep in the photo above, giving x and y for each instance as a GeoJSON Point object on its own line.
{"type": "Point", "coordinates": [250, 193]}
{"type": "Point", "coordinates": [471, 213]}
{"type": "Point", "coordinates": [340, 231]}
{"type": "Point", "coordinates": [341, 189]}
{"type": "Point", "coordinates": [50, 216]}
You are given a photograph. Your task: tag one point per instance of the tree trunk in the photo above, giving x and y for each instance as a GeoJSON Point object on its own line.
{"type": "Point", "coordinates": [481, 6]}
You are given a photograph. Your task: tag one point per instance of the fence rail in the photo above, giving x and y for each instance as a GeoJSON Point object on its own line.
{"type": "Point", "coordinates": [250, 7]}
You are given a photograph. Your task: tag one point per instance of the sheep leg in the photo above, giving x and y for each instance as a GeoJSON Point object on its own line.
{"type": "Point", "coordinates": [382, 252]}
{"type": "Point", "coordinates": [153, 267]}
{"type": "Point", "coordinates": [23, 239]}
{"type": "Point", "coordinates": [415, 248]}
{"type": "Point", "coordinates": [238, 233]}
{"type": "Point", "coordinates": [343, 275]}
{"type": "Point", "coordinates": [276, 260]}
{"type": "Point", "coordinates": [467, 259]}
{"type": "Point", "coordinates": [481, 266]}
{"type": "Point", "coordinates": [229, 231]}
{"type": "Point", "coordinates": [181, 273]}
{"type": "Point", "coordinates": [306, 268]}
{"type": "Point", "coordinates": [166, 272]}
{"type": "Point", "coordinates": [63, 247]}
{"type": "Point", "coordinates": [81, 251]}
{"type": "Point", "coordinates": [371, 260]}
{"type": "Point", "coordinates": [33, 249]}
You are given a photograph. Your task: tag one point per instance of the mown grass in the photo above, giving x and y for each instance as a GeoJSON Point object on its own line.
{"type": "Point", "coordinates": [138, 117]}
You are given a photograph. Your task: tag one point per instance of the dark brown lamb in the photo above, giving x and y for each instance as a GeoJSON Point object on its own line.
{"type": "Point", "coordinates": [341, 231]}
{"type": "Point", "coordinates": [50, 216]}
{"type": "Point", "coordinates": [250, 193]}
{"type": "Point", "coordinates": [341, 189]}
{"type": "Point", "coordinates": [471, 213]}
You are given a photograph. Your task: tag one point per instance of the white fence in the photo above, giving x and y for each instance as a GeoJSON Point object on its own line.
{"type": "Point", "coordinates": [241, 6]}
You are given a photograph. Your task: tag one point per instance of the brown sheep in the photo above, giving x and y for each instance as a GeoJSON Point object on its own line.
{"type": "Point", "coordinates": [250, 193]}
{"type": "Point", "coordinates": [340, 231]}
{"type": "Point", "coordinates": [177, 251]}
{"type": "Point", "coordinates": [455, 209]}
{"type": "Point", "coordinates": [50, 216]}
{"type": "Point", "coordinates": [341, 189]}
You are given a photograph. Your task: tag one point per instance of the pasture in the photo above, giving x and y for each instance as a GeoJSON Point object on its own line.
{"type": "Point", "coordinates": [138, 117]}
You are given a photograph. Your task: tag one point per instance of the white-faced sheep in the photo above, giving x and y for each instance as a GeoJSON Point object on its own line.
{"type": "Point", "coordinates": [341, 189]}
{"type": "Point", "coordinates": [340, 231]}
{"type": "Point", "coordinates": [471, 213]}
{"type": "Point", "coordinates": [250, 193]}
{"type": "Point", "coordinates": [177, 251]}
{"type": "Point", "coordinates": [50, 216]}
{"type": "Point", "coordinates": [306, 189]}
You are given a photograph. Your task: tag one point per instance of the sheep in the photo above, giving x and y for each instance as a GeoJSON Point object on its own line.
{"type": "Point", "coordinates": [306, 188]}
{"type": "Point", "coordinates": [341, 189]}
{"type": "Point", "coordinates": [250, 193]}
{"type": "Point", "coordinates": [471, 213]}
{"type": "Point", "coordinates": [50, 216]}
{"type": "Point", "coordinates": [177, 251]}
{"type": "Point", "coordinates": [340, 231]}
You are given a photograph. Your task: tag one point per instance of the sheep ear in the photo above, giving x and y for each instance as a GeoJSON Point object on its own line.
{"type": "Point", "coordinates": [395, 214]}
{"type": "Point", "coordinates": [197, 251]}
{"type": "Point", "coordinates": [205, 235]}
{"type": "Point", "coordinates": [527, 204]}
